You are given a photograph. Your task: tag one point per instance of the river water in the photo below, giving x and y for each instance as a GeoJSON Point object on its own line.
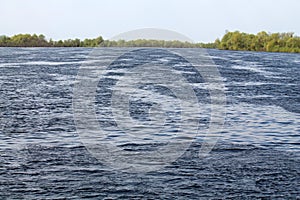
{"type": "Point", "coordinates": [43, 156]}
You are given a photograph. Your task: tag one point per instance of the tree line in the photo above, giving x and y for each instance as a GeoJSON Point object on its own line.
{"type": "Point", "coordinates": [28, 40]}
{"type": "Point", "coordinates": [262, 41]}
{"type": "Point", "coordinates": [150, 43]}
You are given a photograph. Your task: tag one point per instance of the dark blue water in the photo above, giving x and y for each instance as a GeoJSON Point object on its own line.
{"type": "Point", "coordinates": [43, 157]}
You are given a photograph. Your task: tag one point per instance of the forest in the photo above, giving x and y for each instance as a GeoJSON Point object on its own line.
{"type": "Point", "coordinates": [262, 41]}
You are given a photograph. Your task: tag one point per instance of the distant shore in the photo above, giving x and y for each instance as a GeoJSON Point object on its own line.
{"type": "Point", "coordinates": [262, 41]}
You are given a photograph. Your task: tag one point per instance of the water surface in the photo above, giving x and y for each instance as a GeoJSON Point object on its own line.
{"type": "Point", "coordinates": [43, 157]}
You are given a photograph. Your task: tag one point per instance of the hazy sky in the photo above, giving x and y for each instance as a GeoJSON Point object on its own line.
{"type": "Point", "coordinates": [201, 20]}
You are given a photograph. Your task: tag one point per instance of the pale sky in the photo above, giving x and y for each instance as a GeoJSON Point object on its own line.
{"type": "Point", "coordinates": [200, 20]}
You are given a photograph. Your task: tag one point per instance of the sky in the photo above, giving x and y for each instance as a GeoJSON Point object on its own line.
{"type": "Point", "coordinates": [200, 20]}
